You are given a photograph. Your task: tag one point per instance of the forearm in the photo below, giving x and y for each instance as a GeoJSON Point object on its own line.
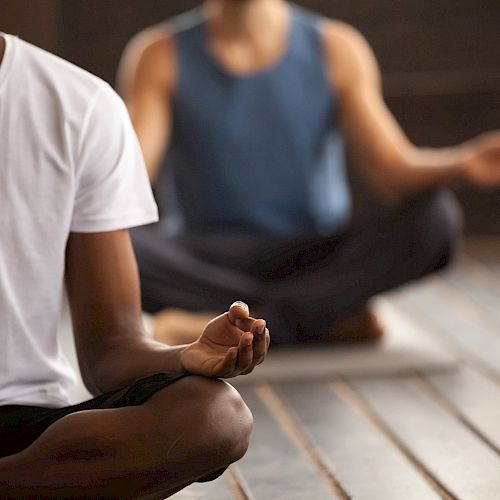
{"type": "Point", "coordinates": [128, 359]}
{"type": "Point", "coordinates": [416, 170]}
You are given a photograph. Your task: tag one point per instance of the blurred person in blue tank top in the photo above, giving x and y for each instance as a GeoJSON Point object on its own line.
{"type": "Point", "coordinates": [245, 111]}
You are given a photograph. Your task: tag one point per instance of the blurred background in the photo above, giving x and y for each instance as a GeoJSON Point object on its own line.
{"type": "Point", "coordinates": [417, 416]}
{"type": "Point", "coordinates": [440, 59]}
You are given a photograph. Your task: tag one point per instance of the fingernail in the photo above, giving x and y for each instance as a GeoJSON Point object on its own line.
{"type": "Point", "coordinates": [239, 303]}
{"type": "Point", "coordinates": [248, 342]}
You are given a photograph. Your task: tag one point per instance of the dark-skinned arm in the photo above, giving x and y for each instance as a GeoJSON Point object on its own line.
{"type": "Point", "coordinates": [104, 294]}
{"type": "Point", "coordinates": [113, 351]}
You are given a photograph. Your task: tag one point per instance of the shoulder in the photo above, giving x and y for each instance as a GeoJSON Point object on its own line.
{"type": "Point", "coordinates": [334, 31]}
{"type": "Point", "coordinates": [349, 57]}
{"type": "Point", "coordinates": [153, 44]}
{"type": "Point", "coordinates": [152, 53]}
{"type": "Point", "coordinates": [150, 56]}
{"type": "Point", "coordinates": [64, 91]}
{"type": "Point", "coordinates": [60, 78]}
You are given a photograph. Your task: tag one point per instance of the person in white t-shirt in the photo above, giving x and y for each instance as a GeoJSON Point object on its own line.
{"type": "Point", "coordinates": [72, 179]}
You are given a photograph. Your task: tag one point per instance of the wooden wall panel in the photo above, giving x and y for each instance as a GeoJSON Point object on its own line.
{"type": "Point", "coordinates": [440, 59]}
{"type": "Point", "coordinates": [36, 21]}
{"type": "Point", "coordinates": [407, 36]}
{"type": "Point", "coordinates": [96, 32]}
{"type": "Point", "coordinates": [423, 35]}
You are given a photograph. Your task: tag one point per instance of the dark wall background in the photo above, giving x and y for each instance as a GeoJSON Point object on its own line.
{"type": "Point", "coordinates": [440, 59]}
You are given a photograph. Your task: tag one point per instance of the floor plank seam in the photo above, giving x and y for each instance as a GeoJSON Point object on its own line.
{"type": "Point", "coordinates": [491, 322]}
{"type": "Point", "coordinates": [351, 396]}
{"type": "Point", "coordinates": [462, 352]}
{"type": "Point", "coordinates": [424, 385]}
{"type": "Point", "coordinates": [484, 370]}
{"type": "Point", "coordinates": [482, 278]}
{"type": "Point", "coordinates": [280, 412]}
{"type": "Point", "coordinates": [237, 484]}
{"type": "Point", "coordinates": [417, 319]}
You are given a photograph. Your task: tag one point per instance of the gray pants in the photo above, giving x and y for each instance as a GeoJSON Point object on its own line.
{"type": "Point", "coordinates": [305, 284]}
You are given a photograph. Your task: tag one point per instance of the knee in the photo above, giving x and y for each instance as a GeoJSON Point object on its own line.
{"type": "Point", "coordinates": [217, 424]}
{"type": "Point", "coordinates": [234, 434]}
{"type": "Point", "coordinates": [439, 228]}
{"type": "Point", "coordinates": [224, 418]}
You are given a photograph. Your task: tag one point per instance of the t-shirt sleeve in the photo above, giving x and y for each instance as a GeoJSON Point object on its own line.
{"type": "Point", "coordinates": [112, 187]}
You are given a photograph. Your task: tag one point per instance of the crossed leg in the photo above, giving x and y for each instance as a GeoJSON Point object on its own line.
{"type": "Point", "coordinates": [315, 284]}
{"type": "Point", "coordinates": [192, 428]}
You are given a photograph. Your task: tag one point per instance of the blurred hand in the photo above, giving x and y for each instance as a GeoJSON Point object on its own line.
{"type": "Point", "coordinates": [482, 166]}
{"type": "Point", "coordinates": [231, 344]}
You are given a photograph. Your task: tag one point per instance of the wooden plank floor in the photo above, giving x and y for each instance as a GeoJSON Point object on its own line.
{"type": "Point", "coordinates": [420, 435]}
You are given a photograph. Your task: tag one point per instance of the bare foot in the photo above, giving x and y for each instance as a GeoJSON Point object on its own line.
{"type": "Point", "coordinates": [177, 327]}
{"type": "Point", "coordinates": [362, 327]}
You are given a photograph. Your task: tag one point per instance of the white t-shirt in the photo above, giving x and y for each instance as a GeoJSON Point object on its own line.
{"type": "Point", "coordinates": [69, 162]}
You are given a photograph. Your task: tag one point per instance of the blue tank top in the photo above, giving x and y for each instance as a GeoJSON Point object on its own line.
{"type": "Point", "coordinates": [255, 153]}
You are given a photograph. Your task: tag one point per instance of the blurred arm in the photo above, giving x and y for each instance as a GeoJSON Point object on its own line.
{"type": "Point", "coordinates": [146, 79]}
{"type": "Point", "coordinates": [374, 139]}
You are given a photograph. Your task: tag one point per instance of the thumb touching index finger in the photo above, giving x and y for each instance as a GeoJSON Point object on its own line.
{"type": "Point", "coordinates": [238, 310]}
